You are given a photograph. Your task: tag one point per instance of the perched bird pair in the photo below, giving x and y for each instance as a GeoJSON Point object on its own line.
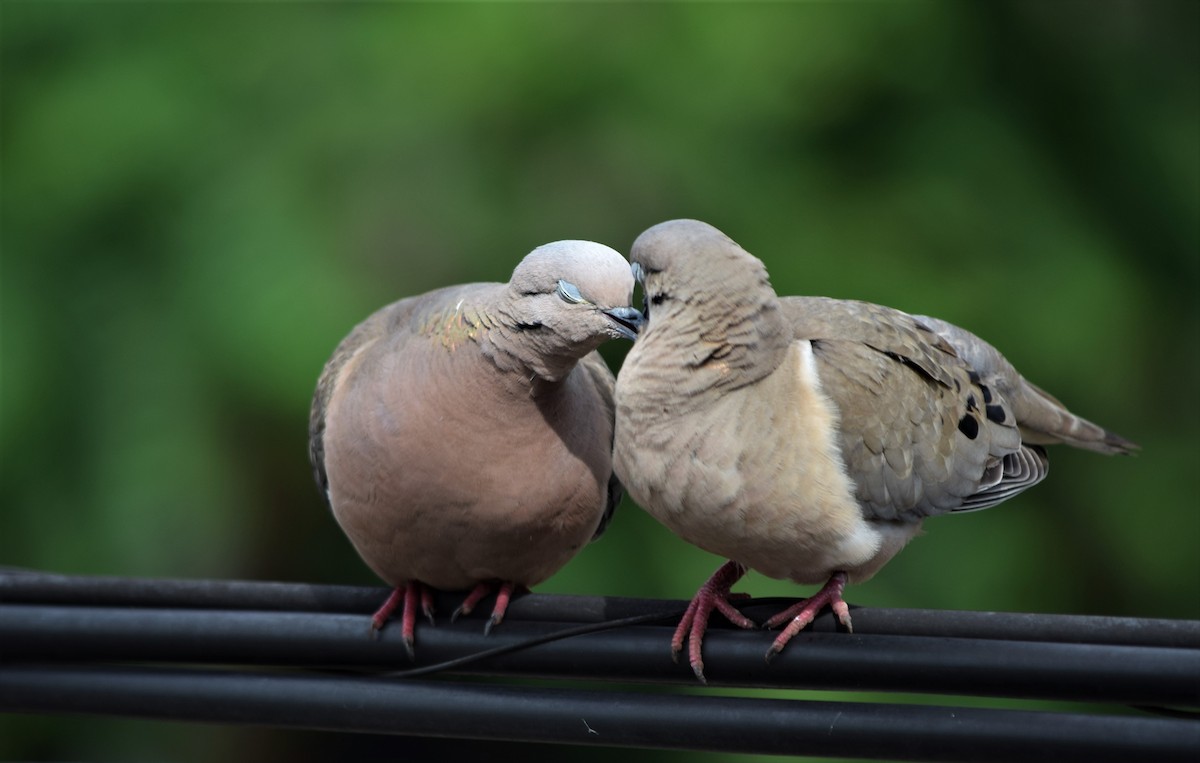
{"type": "Point", "coordinates": [802, 437]}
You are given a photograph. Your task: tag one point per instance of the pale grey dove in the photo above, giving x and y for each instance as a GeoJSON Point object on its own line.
{"type": "Point", "coordinates": [807, 438]}
{"type": "Point", "coordinates": [463, 437]}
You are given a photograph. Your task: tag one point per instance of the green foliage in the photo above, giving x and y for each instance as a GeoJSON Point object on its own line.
{"type": "Point", "coordinates": [200, 200]}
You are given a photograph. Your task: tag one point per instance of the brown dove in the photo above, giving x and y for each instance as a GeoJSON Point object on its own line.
{"type": "Point", "coordinates": [808, 438]}
{"type": "Point", "coordinates": [463, 437]}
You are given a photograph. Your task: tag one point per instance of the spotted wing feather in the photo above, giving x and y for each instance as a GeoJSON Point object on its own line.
{"type": "Point", "coordinates": [921, 433]}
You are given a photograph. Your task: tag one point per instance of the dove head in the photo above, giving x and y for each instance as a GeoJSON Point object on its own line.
{"type": "Point", "coordinates": [565, 299]}
{"type": "Point", "coordinates": [708, 298]}
{"type": "Point", "coordinates": [692, 262]}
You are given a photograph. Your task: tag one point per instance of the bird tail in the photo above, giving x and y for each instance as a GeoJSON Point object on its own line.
{"type": "Point", "coordinates": [1043, 420]}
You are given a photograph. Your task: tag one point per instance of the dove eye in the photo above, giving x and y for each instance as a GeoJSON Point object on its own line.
{"type": "Point", "coordinates": [569, 292]}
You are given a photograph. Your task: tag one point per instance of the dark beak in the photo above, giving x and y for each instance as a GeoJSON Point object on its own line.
{"type": "Point", "coordinates": [628, 320]}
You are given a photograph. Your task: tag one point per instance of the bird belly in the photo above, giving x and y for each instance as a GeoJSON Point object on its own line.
{"type": "Point", "coordinates": [791, 534]}
{"type": "Point", "coordinates": [452, 512]}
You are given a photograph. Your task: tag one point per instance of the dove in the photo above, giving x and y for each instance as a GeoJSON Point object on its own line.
{"type": "Point", "coordinates": [463, 437]}
{"type": "Point", "coordinates": [808, 438]}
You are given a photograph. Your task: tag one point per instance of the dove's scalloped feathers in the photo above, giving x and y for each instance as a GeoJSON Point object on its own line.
{"type": "Point", "coordinates": [928, 442]}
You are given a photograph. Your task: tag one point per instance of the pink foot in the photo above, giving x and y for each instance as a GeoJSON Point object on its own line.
{"type": "Point", "coordinates": [503, 597]}
{"type": "Point", "coordinates": [405, 598]}
{"type": "Point", "coordinates": [714, 594]}
{"type": "Point", "coordinates": [474, 597]}
{"type": "Point", "coordinates": [804, 612]}
{"type": "Point", "coordinates": [395, 599]}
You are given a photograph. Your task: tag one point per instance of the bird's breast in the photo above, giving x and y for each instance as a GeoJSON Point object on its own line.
{"type": "Point", "coordinates": [449, 479]}
{"type": "Point", "coordinates": [753, 474]}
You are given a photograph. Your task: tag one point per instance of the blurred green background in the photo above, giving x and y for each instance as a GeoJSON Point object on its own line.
{"type": "Point", "coordinates": [199, 200]}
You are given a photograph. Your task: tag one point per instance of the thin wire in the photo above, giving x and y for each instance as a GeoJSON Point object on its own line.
{"type": "Point", "coordinates": [1169, 712]}
{"type": "Point", "coordinates": [467, 659]}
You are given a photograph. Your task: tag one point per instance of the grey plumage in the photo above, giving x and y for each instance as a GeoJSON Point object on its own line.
{"type": "Point", "coordinates": [806, 437]}
{"type": "Point", "coordinates": [464, 436]}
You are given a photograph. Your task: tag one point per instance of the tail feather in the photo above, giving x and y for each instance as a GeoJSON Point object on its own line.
{"type": "Point", "coordinates": [1043, 420]}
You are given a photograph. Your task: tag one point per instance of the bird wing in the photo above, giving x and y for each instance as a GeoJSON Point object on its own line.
{"type": "Point", "coordinates": [1041, 417]}
{"type": "Point", "coordinates": [396, 323]}
{"type": "Point", "coordinates": [920, 433]}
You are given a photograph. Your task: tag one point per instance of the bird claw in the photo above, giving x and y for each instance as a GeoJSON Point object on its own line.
{"type": "Point", "coordinates": [405, 598]}
{"type": "Point", "coordinates": [474, 597]}
{"type": "Point", "coordinates": [842, 610]}
{"type": "Point", "coordinates": [804, 612]}
{"type": "Point", "coordinates": [503, 596]}
{"type": "Point", "coordinates": [733, 614]}
{"type": "Point", "coordinates": [714, 594]}
{"type": "Point", "coordinates": [414, 596]}
{"type": "Point", "coordinates": [427, 604]}
{"type": "Point", "coordinates": [381, 615]}
{"type": "Point", "coordinates": [492, 622]}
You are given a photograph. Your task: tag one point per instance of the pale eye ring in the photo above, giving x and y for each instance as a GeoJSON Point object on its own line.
{"type": "Point", "coordinates": [570, 293]}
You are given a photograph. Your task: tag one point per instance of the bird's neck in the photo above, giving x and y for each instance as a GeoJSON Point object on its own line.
{"type": "Point", "coordinates": [723, 345]}
{"type": "Point", "coordinates": [534, 355]}
{"type": "Point", "coordinates": [484, 326]}
{"type": "Point", "coordinates": [527, 358]}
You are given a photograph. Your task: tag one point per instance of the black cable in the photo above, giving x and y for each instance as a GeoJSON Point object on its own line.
{"type": "Point", "coordinates": [1151, 664]}
{"type": "Point", "coordinates": [591, 717]}
{"type": "Point", "coordinates": [18, 585]}
{"type": "Point", "coordinates": [636, 653]}
{"type": "Point", "coordinates": [1169, 712]}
